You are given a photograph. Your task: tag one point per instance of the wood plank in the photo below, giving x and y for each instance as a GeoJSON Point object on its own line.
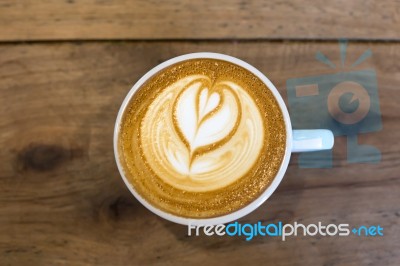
{"type": "Point", "coordinates": [76, 20]}
{"type": "Point", "coordinates": [62, 200]}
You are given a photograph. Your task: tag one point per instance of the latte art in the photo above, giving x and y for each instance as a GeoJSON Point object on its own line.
{"type": "Point", "coordinates": [201, 138]}
{"type": "Point", "coordinates": [201, 135]}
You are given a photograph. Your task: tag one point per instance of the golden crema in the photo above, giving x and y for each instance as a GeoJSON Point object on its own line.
{"type": "Point", "coordinates": [202, 138]}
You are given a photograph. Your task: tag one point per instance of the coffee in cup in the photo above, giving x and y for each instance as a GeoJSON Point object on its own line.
{"type": "Point", "coordinates": [201, 138]}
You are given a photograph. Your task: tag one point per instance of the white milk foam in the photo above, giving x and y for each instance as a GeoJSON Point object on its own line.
{"type": "Point", "coordinates": [198, 136]}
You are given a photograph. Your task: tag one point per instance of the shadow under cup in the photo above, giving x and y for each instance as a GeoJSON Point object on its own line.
{"type": "Point", "coordinates": [202, 138]}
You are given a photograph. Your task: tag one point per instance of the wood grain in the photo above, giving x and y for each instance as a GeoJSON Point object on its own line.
{"type": "Point", "coordinates": [62, 201]}
{"type": "Point", "coordinates": [185, 19]}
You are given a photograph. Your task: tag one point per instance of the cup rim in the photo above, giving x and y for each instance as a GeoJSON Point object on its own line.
{"type": "Point", "coordinates": [247, 208]}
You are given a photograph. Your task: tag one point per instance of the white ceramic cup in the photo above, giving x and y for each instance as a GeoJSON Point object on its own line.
{"type": "Point", "coordinates": [296, 141]}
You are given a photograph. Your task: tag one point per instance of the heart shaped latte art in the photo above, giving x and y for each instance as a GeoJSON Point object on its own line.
{"type": "Point", "coordinates": [205, 116]}
{"type": "Point", "coordinates": [200, 135]}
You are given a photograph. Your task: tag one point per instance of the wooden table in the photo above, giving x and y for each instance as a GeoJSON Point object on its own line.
{"type": "Point", "coordinates": [65, 68]}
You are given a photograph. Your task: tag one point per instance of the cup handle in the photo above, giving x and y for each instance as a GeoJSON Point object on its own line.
{"type": "Point", "coordinates": [312, 140]}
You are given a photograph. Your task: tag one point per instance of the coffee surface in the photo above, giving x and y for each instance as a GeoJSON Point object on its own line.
{"type": "Point", "coordinates": [202, 138]}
